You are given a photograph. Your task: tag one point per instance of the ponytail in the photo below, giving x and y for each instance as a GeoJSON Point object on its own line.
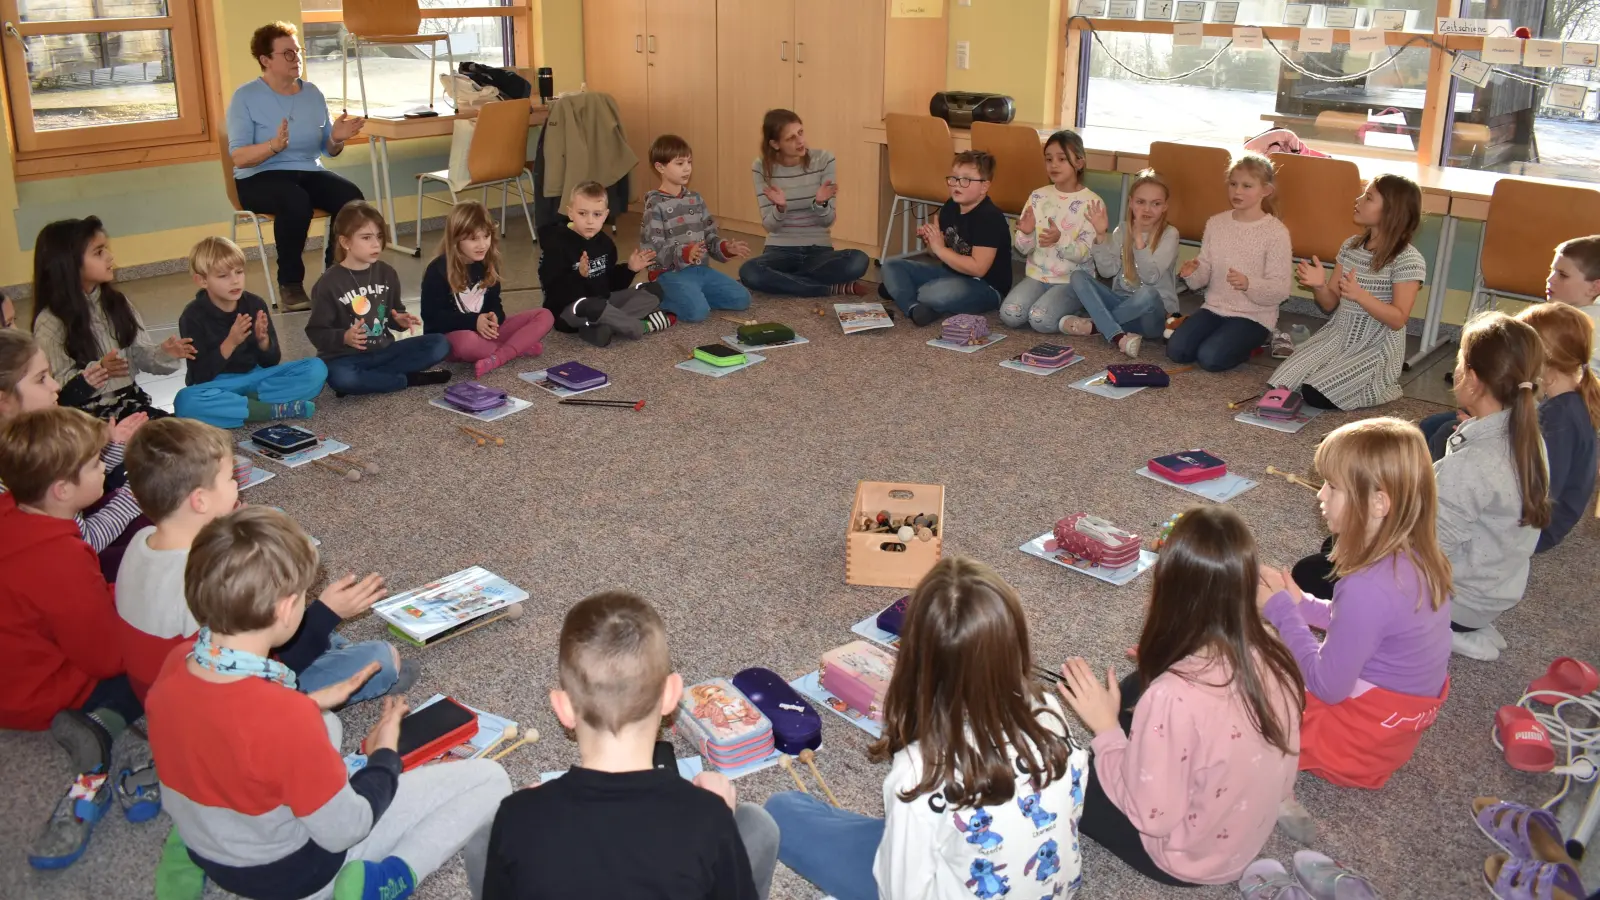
{"type": "Point", "coordinates": [1589, 390]}
{"type": "Point", "coordinates": [1527, 457]}
{"type": "Point", "coordinates": [1568, 338]}
{"type": "Point", "coordinates": [1507, 356]}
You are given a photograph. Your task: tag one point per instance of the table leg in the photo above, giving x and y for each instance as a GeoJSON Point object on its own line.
{"type": "Point", "coordinates": [1123, 213]}
{"type": "Point", "coordinates": [388, 186]}
{"type": "Point", "coordinates": [1437, 292]}
{"type": "Point", "coordinates": [379, 187]}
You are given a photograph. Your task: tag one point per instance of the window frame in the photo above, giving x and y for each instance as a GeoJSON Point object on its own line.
{"type": "Point", "coordinates": [520, 12]}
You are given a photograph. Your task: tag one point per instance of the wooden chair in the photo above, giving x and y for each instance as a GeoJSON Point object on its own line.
{"type": "Point", "coordinates": [248, 219]}
{"type": "Point", "coordinates": [1314, 199]}
{"type": "Point", "coordinates": [920, 150]}
{"type": "Point", "coordinates": [1527, 219]}
{"type": "Point", "coordinates": [1018, 163]}
{"type": "Point", "coordinates": [497, 155]}
{"type": "Point", "coordinates": [369, 23]}
{"type": "Point", "coordinates": [1197, 180]}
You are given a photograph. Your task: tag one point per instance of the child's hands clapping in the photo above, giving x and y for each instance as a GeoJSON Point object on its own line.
{"type": "Point", "coordinates": [1025, 223]}
{"type": "Point", "coordinates": [114, 364]}
{"type": "Point", "coordinates": [407, 321]}
{"type": "Point", "coordinates": [238, 333]}
{"type": "Point", "coordinates": [488, 326]}
{"type": "Point", "coordinates": [1049, 234]}
{"type": "Point", "coordinates": [1237, 280]}
{"type": "Point", "coordinates": [96, 375]}
{"type": "Point", "coordinates": [1095, 704]}
{"type": "Point", "coordinates": [735, 249]}
{"type": "Point", "coordinates": [583, 264]}
{"type": "Point", "coordinates": [776, 197]}
{"type": "Point", "coordinates": [1098, 219]}
{"type": "Point", "coordinates": [122, 430]}
{"type": "Point", "coordinates": [1189, 268]}
{"type": "Point", "coordinates": [348, 597]}
{"type": "Point", "coordinates": [640, 259]}
{"type": "Point", "coordinates": [178, 347]}
{"type": "Point", "coordinates": [1272, 581]}
{"type": "Point", "coordinates": [337, 694]}
{"type": "Point", "coordinates": [385, 733]}
{"type": "Point", "coordinates": [1311, 274]}
{"type": "Point", "coordinates": [356, 336]}
{"type": "Point", "coordinates": [1348, 285]}
{"type": "Point", "coordinates": [931, 235]}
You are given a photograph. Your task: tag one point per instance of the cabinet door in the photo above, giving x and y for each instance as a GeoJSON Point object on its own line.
{"type": "Point", "coordinates": [681, 54]}
{"type": "Point", "coordinates": [755, 54]}
{"type": "Point", "coordinates": [614, 63]}
{"type": "Point", "coordinates": [838, 89]}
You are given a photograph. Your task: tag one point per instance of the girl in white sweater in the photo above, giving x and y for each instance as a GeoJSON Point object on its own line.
{"type": "Point", "coordinates": [1055, 234]}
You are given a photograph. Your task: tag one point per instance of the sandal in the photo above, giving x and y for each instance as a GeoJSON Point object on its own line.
{"type": "Point", "coordinates": [1266, 879]}
{"type": "Point", "coordinates": [1529, 879]}
{"type": "Point", "coordinates": [1325, 879]}
{"type": "Point", "coordinates": [1525, 832]}
{"type": "Point", "coordinates": [1569, 676]}
{"type": "Point", "coordinates": [1525, 742]}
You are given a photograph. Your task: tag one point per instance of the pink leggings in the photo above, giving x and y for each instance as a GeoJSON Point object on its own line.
{"type": "Point", "coordinates": [520, 335]}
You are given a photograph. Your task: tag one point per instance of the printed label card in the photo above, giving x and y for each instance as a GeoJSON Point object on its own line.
{"type": "Point", "coordinates": [1187, 34]}
{"type": "Point", "coordinates": [1576, 54]}
{"type": "Point", "coordinates": [1341, 16]}
{"type": "Point", "coordinates": [1094, 9]}
{"type": "Point", "coordinates": [1369, 41]}
{"type": "Point", "coordinates": [1541, 54]}
{"type": "Point", "coordinates": [1316, 40]}
{"type": "Point", "coordinates": [1191, 10]}
{"type": "Point", "coordinates": [1475, 71]}
{"type": "Point", "coordinates": [1225, 12]}
{"type": "Point", "coordinates": [1297, 14]}
{"type": "Point", "coordinates": [1248, 38]}
{"type": "Point", "coordinates": [1122, 9]}
{"type": "Point", "coordinates": [1502, 51]}
{"type": "Point", "coordinates": [1158, 10]}
{"type": "Point", "coordinates": [1389, 19]}
{"type": "Point", "coordinates": [1566, 96]}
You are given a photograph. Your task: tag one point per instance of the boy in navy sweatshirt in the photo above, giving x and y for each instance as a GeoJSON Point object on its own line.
{"type": "Point", "coordinates": [588, 288]}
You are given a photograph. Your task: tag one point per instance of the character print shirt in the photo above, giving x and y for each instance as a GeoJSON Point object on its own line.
{"type": "Point", "coordinates": [342, 297]}
{"type": "Point", "coordinates": [1068, 212]}
{"type": "Point", "coordinates": [1194, 776]}
{"type": "Point", "coordinates": [1024, 848]}
{"type": "Point", "coordinates": [445, 310]}
{"type": "Point", "coordinates": [563, 277]}
{"type": "Point", "coordinates": [985, 226]}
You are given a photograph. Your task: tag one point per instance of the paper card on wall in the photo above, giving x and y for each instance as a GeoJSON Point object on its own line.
{"type": "Point", "coordinates": [1389, 19]}
{"type": "Point", "coordinates": [1341, 16]}
{"type": "Point", "coordinates": [1094, 9]}
{"type": "Point", "coordinates": [1123, 9]}
{"type": "Point", "coordinates": [1296, 13]}
{"type": "Point", "coordinates": [1248, 38]}
{"type": "Point", "coordinates": [1158, 10]}
{"type": "Point", "coordinates": [1502, 51]}
{"type": "Point", "coordinates": [1565, 96]}
{"type": "Point", "coordinates": [1468, 69]}
{"type": "Point", "coordinates": [1369, 41]}
{"type": "Point", "coordinates": [1225, 12]}
{"type": "Point", "coordinates": [1575, 54]}
{"type": "Point", "coordinates": [1187, 34]}
{"type": "Point", "coordinates": [1543, 54]}
{"type": "Point", "coordinates": [1316, 40]}
{"type": "Point", "coordinates": [917, 9]}
{"type": "Point", "coordinates": [1449, 25]}
{"type": "Point", "coordinates": [1191, 10]}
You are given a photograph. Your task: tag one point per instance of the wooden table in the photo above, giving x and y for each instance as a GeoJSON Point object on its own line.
{"type": "Point", "coordinates": [380, 130]}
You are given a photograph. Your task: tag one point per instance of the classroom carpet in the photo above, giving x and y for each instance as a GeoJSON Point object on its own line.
{"type": "Point", "coordinates": [724, 502]}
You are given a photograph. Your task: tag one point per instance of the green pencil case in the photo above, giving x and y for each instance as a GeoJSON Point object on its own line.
{"type": "Point", "coordinates": [764, 333]}
{"type": "Point", "coordinates": [718, 355]}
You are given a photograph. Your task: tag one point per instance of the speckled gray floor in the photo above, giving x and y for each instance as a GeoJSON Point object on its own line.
{"type": "Point", "coordinates": [724, 503]}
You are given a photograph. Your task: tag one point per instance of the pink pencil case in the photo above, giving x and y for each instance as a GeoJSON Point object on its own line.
{"type": "Point", "coordinates": [1188, 467]}
{"type": "Point", "coordinates": [1279, 403]}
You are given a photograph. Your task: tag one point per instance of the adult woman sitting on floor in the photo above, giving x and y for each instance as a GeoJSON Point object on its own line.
{"type": "Point", "coordinates": [278, 130]}
{"type": "Point", "coordinates": [795, 190]}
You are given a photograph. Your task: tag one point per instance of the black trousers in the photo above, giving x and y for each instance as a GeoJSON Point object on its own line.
{"type": "Point", "coordinates": [290, 198]}
{"type": "Point", "coordinates": [1314, 574]}
{"type": "Point", "coordinates": [1108, 826]}
{"type": "Point", "coordinates": [115, 694]}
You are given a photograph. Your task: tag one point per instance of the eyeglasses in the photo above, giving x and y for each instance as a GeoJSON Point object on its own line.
{"type": "Point", "coordinates": [962, 181]}
{"type": "Point", "coordinates": [288, 55]}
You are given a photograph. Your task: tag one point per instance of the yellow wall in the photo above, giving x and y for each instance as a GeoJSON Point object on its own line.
{"type": "Point", "coordinates": [1013, 51]}
{"type": "Point", "coordinates": [560, 41]}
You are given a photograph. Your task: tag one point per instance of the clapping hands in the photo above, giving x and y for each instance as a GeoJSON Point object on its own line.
{"type": "Point", "coordinates": [640, 259]}
{"type": "Point", "coordinates": [1311, 274]}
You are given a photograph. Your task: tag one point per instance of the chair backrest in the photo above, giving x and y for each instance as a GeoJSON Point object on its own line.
{"type": "Point", "coordinates": [1018, 163]}
{"type": "Point", "coordinates": [1527, 219]}
{"type": "Point", "coordinates": [920, 150]}
{"type": "Point", "coordinates": [499, 147]}
{"type": "Point", "coordinates": [1197, 184]}
{"type": "Point", "coordinates": [1314, 198]}
{"type": "Point", "coordinates": [227, 170]}
{"type": "Point", "coordinates": [368, 18]}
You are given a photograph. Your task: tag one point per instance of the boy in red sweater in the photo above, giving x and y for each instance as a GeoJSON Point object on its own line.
{"type": "Point", "coordinates": [58, 626]}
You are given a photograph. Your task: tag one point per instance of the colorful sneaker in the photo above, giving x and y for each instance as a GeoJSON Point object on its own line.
{"type": "Point", "coordinates": [138, 790]}
{"type": "Point", "coordinates": [86, 741]}
{"type": "Point", "coordinates": [1173, 322]}
{"type": "Point", "coordinates": [390, 879]}
{"type": "Point", "coordinates": [66, 835]}
{"type": "Point", "coordinates": [1474, 645]}
{"type": "Point", "coordinates": [294, 409]}
{"type": "Point", "coordinates": [1282, 345]}
{"type": "Point", "coordinates": [658, 321]}
{"type": "Point", "coordinates": [1078, 326]}
{"type": "Point", "coordinates": [1129, 343]}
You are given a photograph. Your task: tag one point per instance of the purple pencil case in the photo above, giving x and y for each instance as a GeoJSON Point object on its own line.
{"type": "Point", "coordinates": [575, 376]}
{"type": "Point", "coordinates": [470, 396]}
{"type": "Point", "coordinates": [795, 724]}
{"type": "Point", "coordinates": [894, 618]}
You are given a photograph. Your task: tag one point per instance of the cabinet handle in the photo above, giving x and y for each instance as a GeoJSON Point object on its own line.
{"type": "Point", "coordinates": [800, 52]}
{"type": "Point", "coordinates": [652, 43]}
{"type": "Point", "coordinates": [784, 53]}
{"type": "Point", "coordinates": [638, 43]}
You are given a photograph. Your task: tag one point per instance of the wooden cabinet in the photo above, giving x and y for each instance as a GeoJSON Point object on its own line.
{"type": "Point", "coordinates": [614, 63]}
{"type": "Point", "coordinates": [756, 48]}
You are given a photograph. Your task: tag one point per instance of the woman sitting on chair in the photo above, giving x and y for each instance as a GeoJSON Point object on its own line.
{"type": "Point", "coordinates": [278, 129]}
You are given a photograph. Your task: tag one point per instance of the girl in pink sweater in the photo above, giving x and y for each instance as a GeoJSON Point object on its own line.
{"type": "Point", "coordinates": [1186, 788]}
{"type": "Point", "coordinates": [1245, 266]}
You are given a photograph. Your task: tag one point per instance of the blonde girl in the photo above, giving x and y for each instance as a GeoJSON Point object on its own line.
{"type": "Point", "coordinates": [1568, 415]}
{"type": "Point", "coordinates": [1055, 235]}
{"type": "Point", "coordinates": [1244, 266]}
{"type": "Point", "coordinates": [1139, 257]}
{"type": "Point", "coordinates": [461, 296]}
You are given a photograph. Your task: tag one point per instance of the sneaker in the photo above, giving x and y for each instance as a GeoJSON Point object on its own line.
{"type": "Point", "coordinates": [1295, 821]}
{"type": "Point", "coordinates": [406, 679]}
{"type": "Point", "coordinates": [1129, 343]}
{"type": "Point", "coordinates": [1078, 326]}
{"type": "Point", "coordinates": [1282, 345]}
{"type": "Point", "coordinates": [1474, 645]}
{"type": "Point", "coordinates": [389, 879]}
{"type": "Point", "coordinates": [923, 314]}
{"type": "Point", "coordinates": [87, 743]}
{"type": "Point", "coordinates": [138, 790]}
{"type": "Point", "coordinates": [66, 835]}
{"type": "Point", "coordinates": [292, 298]}
{"type": "Point", "coordinates": [294, 409]}
{"type": "Point", "coordinates": [1494, 636]}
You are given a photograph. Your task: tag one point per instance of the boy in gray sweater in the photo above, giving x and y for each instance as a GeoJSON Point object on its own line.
{"type": "Point", "coordinates": [680, 231]}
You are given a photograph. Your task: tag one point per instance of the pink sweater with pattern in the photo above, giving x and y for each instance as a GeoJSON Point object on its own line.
{"type": "Point", "coordinates": [1259, 250]}
{"type": "Point", "coordinates": [1194, 777]}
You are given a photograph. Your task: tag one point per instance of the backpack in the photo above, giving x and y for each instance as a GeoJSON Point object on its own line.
{"type": "Point", "coordinates": [510, 85]}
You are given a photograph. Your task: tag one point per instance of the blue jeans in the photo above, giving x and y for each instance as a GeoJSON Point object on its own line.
{"type": "Point", "coordinates": [1039, 305]}
{"type": "Point", "coordinates": [831, 848]}
{"type": "Point", "coordinates": [1436, 430]}
{"type": "Point", "coordinates": [1213, 342]}
{"type": "Point", "coordinates": [221, 401]}
{"type": "Point", "coordinates": [344, 659]}
{"type": "Point", "coordinates": [910, 283]}
{"type": "Point", "coordinates": [802, 271]}
{"type": "Point", "coordinates": [1140, 312]}
{"type": "Point", "coordinates": [691, 294]}
{"type": "Point", "coordinates": [384, 371]}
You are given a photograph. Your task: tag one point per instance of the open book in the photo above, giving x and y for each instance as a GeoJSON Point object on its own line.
{"type": "Point", "coordinates": [854, 317]}
{"type": "Point", "coordinates": [427, 613]}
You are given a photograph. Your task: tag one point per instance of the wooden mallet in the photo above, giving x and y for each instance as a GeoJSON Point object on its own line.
{"type": "Point", "coordinates": [367, 468]}
{"type": "Point", "coordinates": [348, 474]}
{"type": "Point", "coordinates": [1238, 403]}
{"type": "Point", "coordinates": [531, 737]}
{"type": "Point", "coordinates": [809, 757]}
{"type": "Point", "coordinates": [484, 435]}
{"type": "Point", "coordinates": [514, 611]}
{"type": "Point", "coordinates": [477, 438]}
{"type": "Point", "coordinates": [1292, 478]}
{"type": "Point", "coordinates": [510, 734]}
{"type": "Point", "coordinates": [788, 766]}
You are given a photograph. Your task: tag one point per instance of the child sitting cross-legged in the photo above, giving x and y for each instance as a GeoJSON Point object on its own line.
{"type": "Point", "coordinates": [251, 768]}
{"type": "Point", "coordinates": [63, 668]}
{"type": "Point", "coordinates": [183, 474]}
{"type": "Point", "coordinates": [972, 243]}
{"type": "Point", "coordinates": [587, 285]}
{"type": "Point", "coordinates": [238, 374]}
{"type": "Point", "coordinates": [1140, 257]}
{"type": "Point", "coordinates": [681, 233]}
{"type": "Point", "coordinates": [1057, 234]}
{"type": "Point", "coordinates": [1568, 414]}
{"type": "Point", "coordinates": [461, 296]}
{"type": "Point", "coordinates": [613, 825]}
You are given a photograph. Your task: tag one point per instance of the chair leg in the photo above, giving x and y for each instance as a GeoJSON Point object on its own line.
{"type": "Point", "coordinates": [417, 233]}
{"type": "Point", "coordinates": [505, 189]}
{"type": "Point", "coordinates": [888, 229]}
{"type": "Point", "coordinates": [526, 214]}
{"type": "Point", "coordinates": [361, 77]}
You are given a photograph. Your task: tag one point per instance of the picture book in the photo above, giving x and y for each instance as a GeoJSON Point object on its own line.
{"type": "Point", "coordinates": [511, 406]}
{"type": "Point", "coordinates": [326, 446]}
{"type": "Point", "coordinates": [1016, 363]}
{"type": "Point", "coordinates": [541, 380]}
{"type": "Point", "coordinates": [428, 612]}
{"type": "Point", "coordinates": [854, 317]}
{"type": "Point", "coordinates": [732, 340]}
{"type": "Point", "coordinates": [810, 686]}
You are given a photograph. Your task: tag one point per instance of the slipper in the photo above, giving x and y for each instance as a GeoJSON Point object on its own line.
{"type": "Point", "coordinates": [1526, 832]}
{"type": "Point", "coordinates": [1528, 879]}
{"type": "Point", "coordinates": [1525, 742]}
{"type": "Point", "coordinates": [1266, 879]}
{"type": "Point", "coordinates": [1325, 879]}
{"type": "Point", "coordinates": [1567, 675]}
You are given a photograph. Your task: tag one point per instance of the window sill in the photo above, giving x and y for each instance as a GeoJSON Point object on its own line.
{"type": "Point", "coordinates": [43, 166]}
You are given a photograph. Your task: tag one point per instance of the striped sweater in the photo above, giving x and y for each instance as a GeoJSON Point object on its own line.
{"type": "Point", "coordinates": [671, 227]}
{"type": "Point", "coordinates": [803, 222]}
{"type": "Point", "coordinates": [107, 523]}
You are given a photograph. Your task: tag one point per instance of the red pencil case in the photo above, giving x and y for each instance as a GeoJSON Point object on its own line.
{"type": "Point", "coordinates": [430, 732]}
{"type": "Point", "coordinates": [1188, 467]}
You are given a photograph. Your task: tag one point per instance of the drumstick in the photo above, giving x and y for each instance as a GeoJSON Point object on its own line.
{"type": "Point", "coordinates": [513, 611]}
{"type": "Point", "coordinates": [737, 321]}
{"type": "Point", "coordinates": [1292, 478]}
{"type": "Point", "coordinates": [367, 467]}
{"type": "Point", "coordinates": [347, 474]}
{"type": "Point", "coordinates": [636, 405]}
{"type": "Point", "coordinates": [809, 757]}
{"type": "Point", "coordinates": [510, 734]}
{"type": "Point", "coordinates": [472, 434]}
{"type": "Point", "coordinates": [531, 737]}
{"type": "Point", "coordinates": [788, 766]}
{"type": "Point", "coordinates": [1044, 674]}
{"type": "Point", "coordinates": [1242, 401]}
{"type": "Point", "coordinates": [498, 441]}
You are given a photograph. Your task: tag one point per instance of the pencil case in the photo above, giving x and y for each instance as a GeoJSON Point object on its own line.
{"type": "Point", "coordinates": [1047, 356]}
{"type": "Point", "coordinates": [1094, 540]}
{"type": "Point", "coordinates": [1188, 467]}
{"type": "Point", "coordinates": [965, 329]}
{"type": "Point", "coordinates": [575, 376]}
{"type": "Point", "coordinates": [796, 725]}
{"type": "Point", "coordinates": [764, 333]}
{"type": "Point", "coordinates": [283, 438]}
{"type": "Point", "coordinates": [429, 733]}
{"type": "Point", "coordinates": [894, 618]}
{"type": "Point", "coordinates": [1136, 375]}
{"type": "Point", "coordinates": [1279, 403]}
{"type": "Point", "coordinates": [474, 397]}
{"type": "Point", "coordinates": [858, 674]}
{"type": "Point", "coordinates": [724, 725]}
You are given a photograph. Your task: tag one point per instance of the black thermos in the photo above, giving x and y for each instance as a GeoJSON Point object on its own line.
{"type": "Point", "coordinates": [547, 84]}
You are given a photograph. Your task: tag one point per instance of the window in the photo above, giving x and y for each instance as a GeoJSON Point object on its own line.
{"type": "Point", "coordinates": [397, 75]}
{"type": "Point", "coordinates": [89, 74]}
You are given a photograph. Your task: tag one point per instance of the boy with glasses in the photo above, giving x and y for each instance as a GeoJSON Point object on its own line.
{"type": "Point", "coordinates": [973, 244]}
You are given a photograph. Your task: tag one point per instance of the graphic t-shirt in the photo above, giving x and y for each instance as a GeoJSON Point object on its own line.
{"type": "Point", "coordinates": [445, 310]}
{"type": "Point", "coordinates": [985, 226]}
{"type": "Point", "coordinates": [342, 297]}
{"type": "Point", "coordinates": [1069, 213]}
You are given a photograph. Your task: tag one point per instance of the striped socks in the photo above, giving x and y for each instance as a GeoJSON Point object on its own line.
{"type": "Point", "coordinates": [658, 320]}
{"type": "Point", "coordinates": [850, 288]}
{"type": "Point", "coordinates": [257, 411]}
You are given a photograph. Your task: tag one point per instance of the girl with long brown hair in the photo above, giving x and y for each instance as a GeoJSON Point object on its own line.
{"type": "Point", "coordinates": [1494, 486]}
{"type": "Point", "coordinates": [1568, 415]}
{"type": "Point", "coordinates": [985, 782]}
{"type": "Point", "coordinates": [1186, 786]}
{"type": "Point", "coordinates": [1387, 650]}
{"type": "Point", "coordinates": [461, 296]}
